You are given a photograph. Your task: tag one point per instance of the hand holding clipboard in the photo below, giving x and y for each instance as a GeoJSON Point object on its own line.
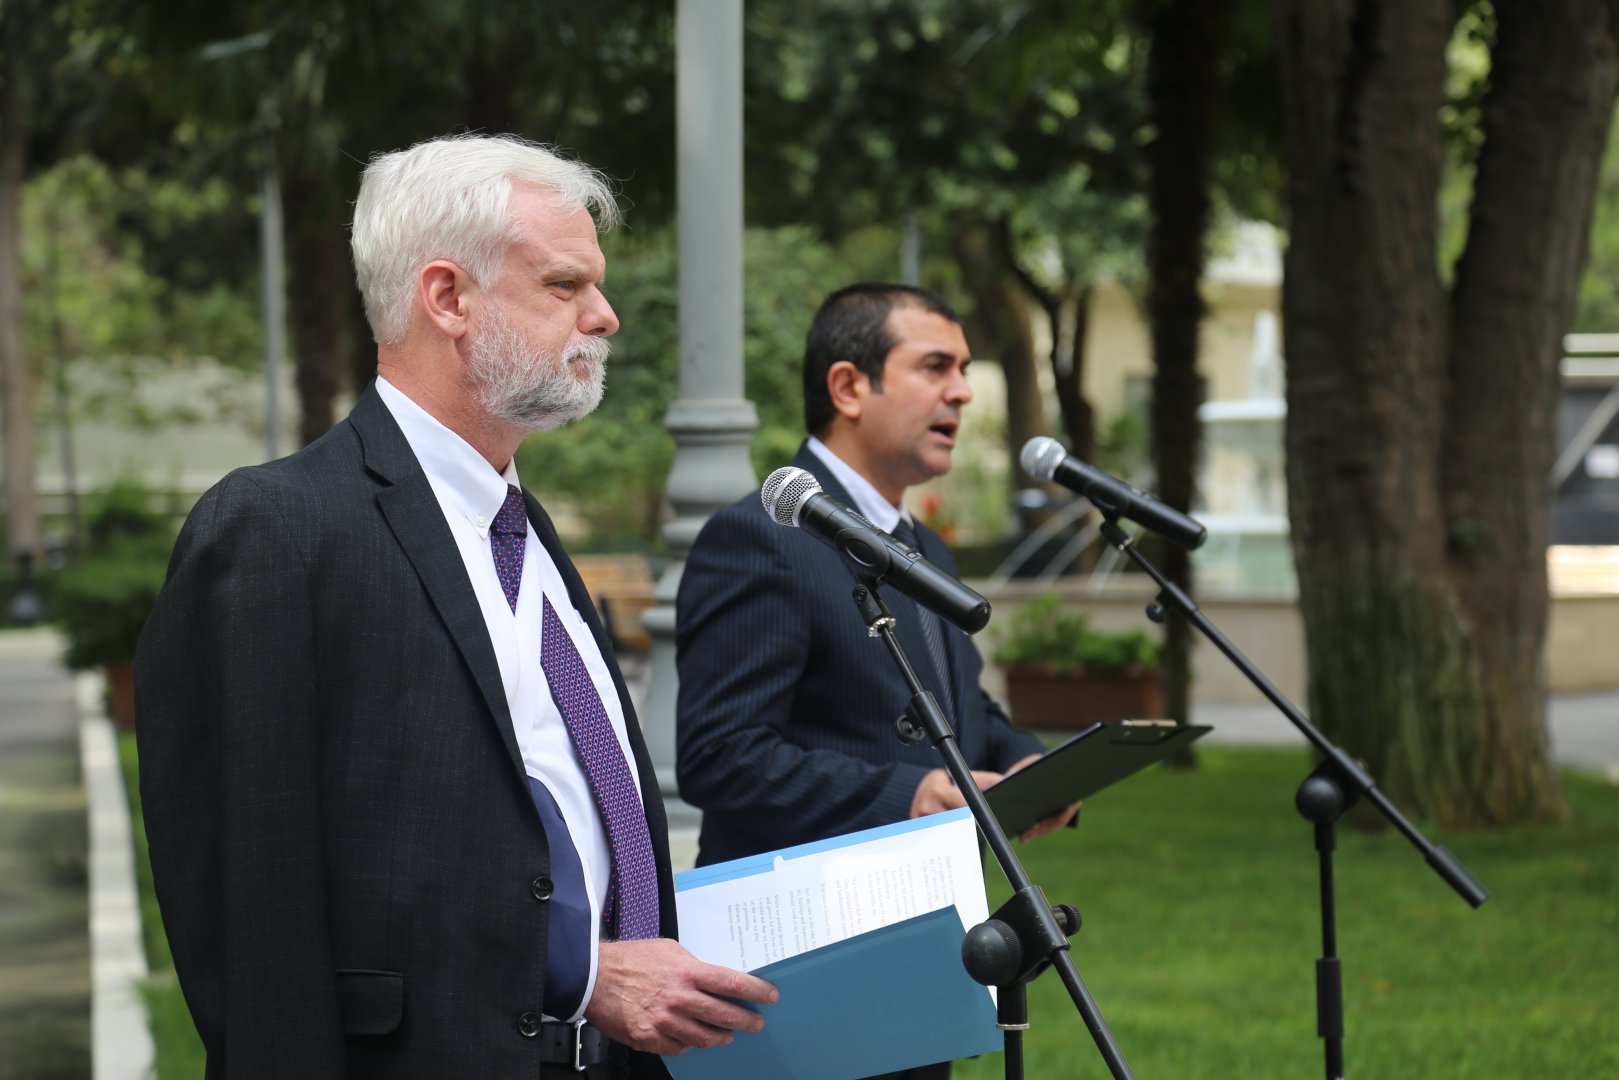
{"type": "Point", "coordinates": [1083, 765]}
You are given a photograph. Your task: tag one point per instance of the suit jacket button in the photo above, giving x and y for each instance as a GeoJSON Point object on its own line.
{"type": "Point", "coordinates": [542, 888]}
{"type": "Point", "coordinates": [528, 1025]}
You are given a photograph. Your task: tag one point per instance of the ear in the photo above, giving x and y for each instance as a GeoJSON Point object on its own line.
{"type": "Point", "coordinates": [443, 288]}
{"type": "Point", "coordinates": [848, 386]}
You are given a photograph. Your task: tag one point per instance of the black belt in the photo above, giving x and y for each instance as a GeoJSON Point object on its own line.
{"type": "Point", "coordinates": [583, 1049]}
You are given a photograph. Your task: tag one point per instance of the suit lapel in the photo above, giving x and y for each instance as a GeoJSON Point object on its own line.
{"type": "Point", "coordinates": [929, 544]}
{"type": "Point", "coordinates": [413, 513]}
{"type": "Point", "coordinates": [905, 611]}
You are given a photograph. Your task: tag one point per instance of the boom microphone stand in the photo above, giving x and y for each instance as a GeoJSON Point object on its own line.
{"type": "Point", "coordinates": [1322, 799]}
{"type": "Point", "coordinates": [1026, 934]}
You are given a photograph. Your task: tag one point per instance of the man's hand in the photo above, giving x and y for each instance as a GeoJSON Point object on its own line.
{"type": "Point", "coordinates": [938, 792]}
{"type": "Point", "coordinates": [1044, 825]}
{"type": "Point", "coordinates": [655, 996]}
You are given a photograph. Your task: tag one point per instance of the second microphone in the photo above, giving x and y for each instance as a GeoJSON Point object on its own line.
{"type": "Point", "coordinates": [794, 498]}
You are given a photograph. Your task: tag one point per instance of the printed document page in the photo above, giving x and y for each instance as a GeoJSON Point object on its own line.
{"type": "Point", "coordinates": [754, 912]}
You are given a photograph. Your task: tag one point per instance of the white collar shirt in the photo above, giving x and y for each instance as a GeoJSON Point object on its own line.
{"type": "Point", "coordinates": [868, 501]}
{"type": "Point", "coordinates": [470, 493]}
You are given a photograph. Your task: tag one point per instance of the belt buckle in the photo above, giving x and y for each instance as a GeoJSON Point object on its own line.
{"type": "Point", "coordinates": [578, 1043]}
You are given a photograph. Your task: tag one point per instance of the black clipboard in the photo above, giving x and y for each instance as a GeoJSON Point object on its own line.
{"type": "Point", "coordinates": [1100, 755]}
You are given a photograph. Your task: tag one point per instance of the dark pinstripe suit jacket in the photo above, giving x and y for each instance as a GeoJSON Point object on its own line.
{"type": "Point", "coordinates": [342, 836]}
{"type": "Point", "coordinates": [786, 707]}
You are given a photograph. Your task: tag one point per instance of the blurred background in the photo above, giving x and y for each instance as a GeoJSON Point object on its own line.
{"type": "Point", "coordinates": [1340, 279]}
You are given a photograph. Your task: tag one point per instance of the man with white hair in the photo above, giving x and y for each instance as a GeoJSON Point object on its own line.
{"type": "Point", "coordinates": [401, 816]}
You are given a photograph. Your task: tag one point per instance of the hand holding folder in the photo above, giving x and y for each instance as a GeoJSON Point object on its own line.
{"type": "Point", "coordinates": [862, 936]}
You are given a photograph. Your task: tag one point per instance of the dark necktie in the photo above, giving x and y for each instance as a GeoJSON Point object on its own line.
{"type": "Point", "coordinates": [508, 535]}
{"type": "Point", "coordinates": [630, 909]}
{"type": "Point", "coordinates": [568, 937]}
{"type": "Point", "coordinates": [932, 632]}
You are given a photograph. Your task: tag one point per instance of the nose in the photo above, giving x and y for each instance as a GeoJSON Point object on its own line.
{"type": "Point", "coordinates": [960, 391]}
{"type": "Point", "coordinates": [597, 319]}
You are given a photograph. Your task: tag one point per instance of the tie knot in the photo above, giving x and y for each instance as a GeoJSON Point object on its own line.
{"type": "Point", "coordinates": [513, 517]}
{"type": "Point", "coordinates": [905, 533]}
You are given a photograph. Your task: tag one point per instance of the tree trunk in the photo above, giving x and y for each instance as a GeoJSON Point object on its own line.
{"type": "Point", "coordinates": [1072, 319]}
{"type": "Point", "coordinates": [1182, 80]}
{"type": "Point", "coordinates": [323, 280]}
{"type": "Point", "coordinates": [1420, 430]}
{"type": "Point", "coordinates": [1554, 77]}
{"type": "Point", "coordinates": [23, 534]}
{"type": "Point", "coordinates": [1001, 328]}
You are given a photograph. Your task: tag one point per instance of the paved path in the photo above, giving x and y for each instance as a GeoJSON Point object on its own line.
{"type": "Point", "coordinates": [44, 932]}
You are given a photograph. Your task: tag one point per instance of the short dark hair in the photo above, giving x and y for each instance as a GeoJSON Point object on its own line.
{"type": "Point", "coordinates": [852, 325]}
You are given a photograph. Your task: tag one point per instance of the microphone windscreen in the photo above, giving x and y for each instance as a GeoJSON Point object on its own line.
{"type": "Point", "coordinates": [1041, 456]}
{"type": "Point", "coordinates": [784, 493]}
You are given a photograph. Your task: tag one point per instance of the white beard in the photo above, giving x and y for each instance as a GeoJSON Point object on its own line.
{"type": "Point", "coordinates": [528, 386]}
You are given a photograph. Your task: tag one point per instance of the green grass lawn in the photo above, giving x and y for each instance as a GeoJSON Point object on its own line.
{"type": "Point", "coordinates": [1202, 930]}
{"type": "Point", "coordinates": [1202, 927]}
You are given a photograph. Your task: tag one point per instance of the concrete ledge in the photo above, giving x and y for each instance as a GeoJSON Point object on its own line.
{"type": "Point", "coordinates": [1579, 638]}
{"type": "Point", "coordinates": [121, 1042]}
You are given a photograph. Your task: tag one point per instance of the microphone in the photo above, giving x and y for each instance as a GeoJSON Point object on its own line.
{"type": "Point", "coordinates": [1044, 459]}
{"type": "Point", "coordinates": [794, 498]}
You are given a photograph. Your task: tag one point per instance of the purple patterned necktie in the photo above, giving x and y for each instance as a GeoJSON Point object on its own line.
{"type": "Point", "coordinates": [508, 534]}
{"type": "Point", "coordinates": [630, 910]}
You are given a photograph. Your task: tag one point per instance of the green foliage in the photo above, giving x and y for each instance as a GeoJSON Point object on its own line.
{"type": "Point", "coordinates": [1043, 634]}
{"type": "Point", "coordinates": [1121, 446]}
{"type": "Point", "coordinates": [1028, 119]}
{"type": "Point", "coordinates": [1467, 77]}
{"type": "Point", "coordinates": [102, 602]}
{"type": "Point", "coordinates": [128, 264]}
{"type": "Point", "coordinates": [862, 111]}
{"type": "Point", "coordinates": [1597, 310]}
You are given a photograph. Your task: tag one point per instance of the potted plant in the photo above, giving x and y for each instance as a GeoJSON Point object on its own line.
{"type": "Point", "coordinates": [102, 601]}
{"type": "Point", "coordinates": [1062, 673]}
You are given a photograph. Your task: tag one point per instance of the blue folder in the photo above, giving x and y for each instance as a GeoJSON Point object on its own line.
{"type": "Point", "coordinates": [890, 999]}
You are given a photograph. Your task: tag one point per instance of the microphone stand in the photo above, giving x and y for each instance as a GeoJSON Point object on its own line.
{"type": "Point", "coordinates": [1323, 797]}
{"type": "Point", "coordinates": [1026, 934]}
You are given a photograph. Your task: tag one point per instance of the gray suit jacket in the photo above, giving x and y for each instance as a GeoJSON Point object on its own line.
{"type": "Point", "coordinates": [786, 711]}
{"type": "Point", "coordinates": [344, 846]}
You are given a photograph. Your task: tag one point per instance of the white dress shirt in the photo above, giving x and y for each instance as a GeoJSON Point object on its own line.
{"type": "Point", "coordinates": [868, 501]}
{"type": "Point", "coordinates": [471, 492]}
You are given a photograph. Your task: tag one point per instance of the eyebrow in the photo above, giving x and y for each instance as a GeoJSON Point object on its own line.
{"type": "Point", "coordinates": [569, 269]}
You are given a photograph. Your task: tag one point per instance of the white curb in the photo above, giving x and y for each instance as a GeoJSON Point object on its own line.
{"type": "Point", "coordinates": [121, 1042]}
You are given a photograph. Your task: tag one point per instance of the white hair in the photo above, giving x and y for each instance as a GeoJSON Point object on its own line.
{"type": "Point", "coordinates": [447, 198]}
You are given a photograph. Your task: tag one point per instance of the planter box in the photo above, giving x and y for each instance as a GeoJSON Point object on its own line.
{"type": "Point", "coordinates": [1062, 699]}
{"type": "Point", "coordinates": [121, 695]}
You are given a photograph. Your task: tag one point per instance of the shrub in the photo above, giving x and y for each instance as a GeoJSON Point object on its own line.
{"type": "Point", "coordinates": [1043, 634]}
{"type": "Point", "coordinates": [102, 602]}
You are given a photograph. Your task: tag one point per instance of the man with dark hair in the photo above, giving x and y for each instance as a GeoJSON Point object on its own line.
{"type": "Point", "coordinates": [786, 706]}
{"type": "Point", "coordinates": [852, 324]}
{"type": "Point", "coordinates": [402, 820]}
